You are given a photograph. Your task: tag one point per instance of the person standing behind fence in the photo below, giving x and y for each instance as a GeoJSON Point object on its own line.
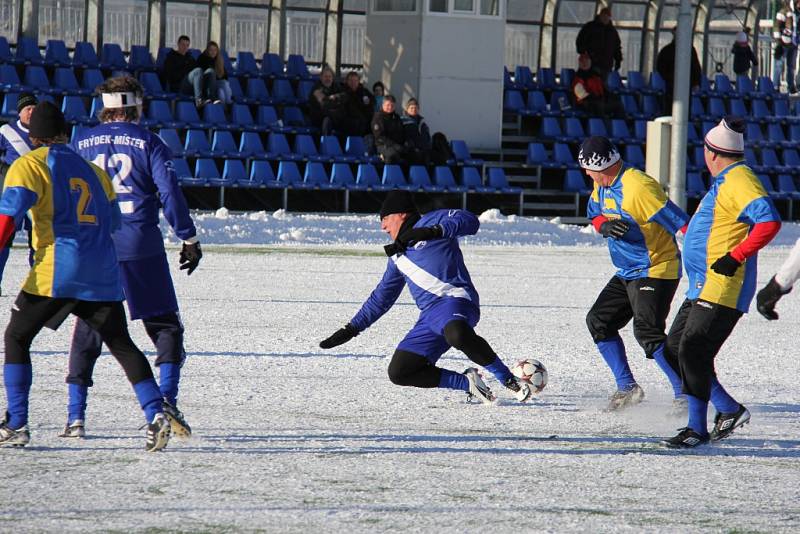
{"type": "Point", "coordinates": [743, 56]}
{"type": "Point", "coordinates": [784, 51]}
{"type": "Point", "coordinates": [600, 40]}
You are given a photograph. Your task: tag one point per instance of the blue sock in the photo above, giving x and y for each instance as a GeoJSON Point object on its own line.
{"type": "Point", "coordinates": [453, 380]}
{"type": "Point", "coordinates": [673, 377]}
{"type": "Point", "coordinates": [698, 415]}
{"type": "Point", "coordinates": [149, 397]}
{"type": "Point", "coordinates": [169, 375]}
{"type": "Point", "coordinates": [17, 378]}
{"type": "Point", "coordinates": [500, 370]}
{"type": "Point", "coordinates": [613, 351]}
{"type": "Point", "coordinates": [721, 400]}
{"type": "Point", "coordinates": [76, 409]}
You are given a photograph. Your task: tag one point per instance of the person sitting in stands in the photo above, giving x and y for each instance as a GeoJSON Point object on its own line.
{"type": "Point", "coordinates": [589, 91]}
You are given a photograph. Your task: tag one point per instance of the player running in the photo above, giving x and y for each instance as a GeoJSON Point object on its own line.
{"type": "Point", "coordinates": [425, 255]}
{"type": "Point", "coordinates": [734, 220]}
{"type": "Point", "coordinates": [74, 210]}
{"type": "Point", "coordinates": [631, 210]}
{"type": "Point", "coordinates": [144, 179]}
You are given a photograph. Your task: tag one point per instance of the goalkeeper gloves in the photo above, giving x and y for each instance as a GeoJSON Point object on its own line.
{"type": "Point", "coordinates": [341, 336]}
{"type": "Point", "coordinates": [190, 256]}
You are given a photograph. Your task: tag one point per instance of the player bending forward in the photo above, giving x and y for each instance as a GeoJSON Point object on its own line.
{"type": "Point", "coordinates": [426, 256]}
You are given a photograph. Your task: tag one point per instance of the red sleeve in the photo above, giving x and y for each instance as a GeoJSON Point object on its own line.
{"type": "Point", "coordinates": [598, 221]}
{"type": "Point", "coordinates": [760, 235]}
{"type": "Point", "coordinates": [7, 227]}
{"type": "Point", "coordinates": [684, 228]}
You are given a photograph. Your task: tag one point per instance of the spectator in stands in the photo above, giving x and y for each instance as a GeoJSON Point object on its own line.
{"type": "Point", "coordinates": [388, 133]}
{"type": "Point", "coordinates": [211, 58]}
{"type": "Point", "coordinates": [378, 90]}
{"type": "Point", "coordinates": [665, 66]}
{"type": "Point", "coordinates": [184, 76]}
{"type": "Point", "coordinates": [743, 55]}
{"type": "Point", "coordinates": [784, 50]}
{"type": "Point", "coordinates": [358, 105]}
{"type": "Point", "coordinates": [418, 135]}
{"type": "Point", "coordinates": [589, 92]}
{"type": "Point", "coordinates": [324, 104]}
{"type": "Point", "coordinates": [599, 39]}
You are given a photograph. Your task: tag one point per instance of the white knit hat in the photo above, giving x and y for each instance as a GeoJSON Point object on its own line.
{"type": "Point", "coordinates": [727, 137]}
{"type": "Point", "coordinates": [741, 37]}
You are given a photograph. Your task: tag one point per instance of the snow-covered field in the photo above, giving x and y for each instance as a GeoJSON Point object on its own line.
{"type": "Point", "coordinates": [291, 438]}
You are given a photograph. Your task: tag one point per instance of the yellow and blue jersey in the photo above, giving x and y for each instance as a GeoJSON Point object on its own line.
{"type": "Point", "coordinates": [73, 209]}
{"type": "Point", "coordinates": [735, 202]}
{"type": "Point", "coordinates": [648, 248]}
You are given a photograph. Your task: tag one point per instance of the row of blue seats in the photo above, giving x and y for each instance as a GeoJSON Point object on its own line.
{"type": "Point", "coordinates": [316, 176]}
{"type": "Point", "coordinates": [536, 105]}
{"type": "Point", "coordinates": [113, 58]}
{"type": "Point", "coordinates": [562, 156]}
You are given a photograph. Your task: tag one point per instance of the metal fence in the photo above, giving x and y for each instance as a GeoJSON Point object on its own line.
{"type": "Point", "coordinates": [9, 12]}
{"type": "Point", "coordinates": [304, 34]}
{"type": "Point", "coordinates": [187, 19]}
{"type": "Point", "coordinates": [125, 23]}
{"type": "Point", "coordinates": [61, 19]}
{"type": "Point", "coordinates": [247, 30]}
{"type": "Point", "coordinates": [354, 33]}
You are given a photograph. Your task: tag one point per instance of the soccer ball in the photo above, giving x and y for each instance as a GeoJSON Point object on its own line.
{"type": "Point", "coordinates": [531, 371]}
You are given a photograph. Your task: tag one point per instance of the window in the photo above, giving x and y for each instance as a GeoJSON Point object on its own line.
{"type": "Point", "coordinates": [125, 22]}
{"type": "Point", "coordinates": [354, 34]}
{"type": "Point", "coordinates": [490, 7]}
{"type": "Point", "coordinates": [463, 5]}
{"type": "Point", "coordinates": [61, 19]}
{"type": "Point", "coordinates": [187, 19]}
{"type": "Point", "coordinates": [304, 34]}
{"type": "Point", "coordinates": [9, 10]}
{"type": "Point", "coordinates": [438, 6]}
{"type": "Point", "coordinates": [247, 30]}
{"type": "Point", "coordinates": [395, 5]}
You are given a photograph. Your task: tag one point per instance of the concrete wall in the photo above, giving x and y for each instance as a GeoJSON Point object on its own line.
{"type": "Point", "coordinates": [452, 64]}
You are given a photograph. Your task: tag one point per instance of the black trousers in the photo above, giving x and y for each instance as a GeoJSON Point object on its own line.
{"type": "Point", "coordinates": [645, 300]}
{"type": "Point", "coordinates": [409, 369]}
{"type": "Point", "coordinates": [31, 313]}
{"type": "Point", "coordinates": [696, 336]}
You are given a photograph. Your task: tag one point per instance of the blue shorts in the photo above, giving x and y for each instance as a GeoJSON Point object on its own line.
{"type": "Point", "coordinates": [148, 287]}
{"type": "Point", "coordinates": [427, 336]}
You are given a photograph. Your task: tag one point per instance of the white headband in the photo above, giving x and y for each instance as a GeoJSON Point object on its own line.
{"type": "Point", "coordinates": [120, 100]}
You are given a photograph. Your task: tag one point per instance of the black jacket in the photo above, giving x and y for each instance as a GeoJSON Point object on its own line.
{"type": "Point", "coordinates": [665, 66]}
{"type": "Point", "coordinates": [417, 132]}
{"type": "Point", "coordinates": [602, 43]}
{"type": "Point", "coordinates": [743, 56]}
{"type": "Point", "coordinates": [176, 67]}
{"type": "Point", "coordinates": [359, 103]}
{"type": "Point", "coordinates": [387, 129]}
{"type": "Point", "coordinates": [207, 62]}
{"type": "Point", "coordinates": [330, 104]}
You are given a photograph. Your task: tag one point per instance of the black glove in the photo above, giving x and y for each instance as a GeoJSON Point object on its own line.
{"type": "Point", "coordinates": [413, 235]}
{"type": "Point", "coordinates": [726, 265]}
{"type": "Point", "coordinates": [768, 297]}
{"type": "Point", "coordinates": [614, 228]}
{"type": "Point", "coordinates": [190, 256]}
{"type": "Point", "coordinates": [343, 335]}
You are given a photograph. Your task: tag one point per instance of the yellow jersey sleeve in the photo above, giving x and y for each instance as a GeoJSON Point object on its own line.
{"type": "Point", "coordinates": [642, 196]}
{"type": "Point", "coordinates": [29, 172]}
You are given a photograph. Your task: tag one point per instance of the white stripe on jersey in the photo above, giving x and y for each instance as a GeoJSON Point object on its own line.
{"type": "Point", "coordinates": [426, 281]}
{"type": "Point", "coordinates": [15, 139]}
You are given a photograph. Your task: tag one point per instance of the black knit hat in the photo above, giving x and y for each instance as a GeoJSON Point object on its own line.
{"type": "Point", "coordinates": [597, 153]}
{"type": "Point", "coordinates": [398, 201]}
{"type": "Point", "coordinates": [24, 100]}
{"type": "Point", "coordinates": [47, 121]}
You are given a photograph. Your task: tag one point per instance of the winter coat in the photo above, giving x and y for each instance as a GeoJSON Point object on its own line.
{"type": "Point", "coordinates": [602, 43]}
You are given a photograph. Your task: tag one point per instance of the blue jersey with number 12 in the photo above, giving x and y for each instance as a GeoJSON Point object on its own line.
{"type": "Point", "coordinates": [140, 166]}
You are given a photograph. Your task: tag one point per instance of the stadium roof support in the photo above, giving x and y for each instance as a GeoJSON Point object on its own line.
{"type": "Point", "coordinates": [680, 106]}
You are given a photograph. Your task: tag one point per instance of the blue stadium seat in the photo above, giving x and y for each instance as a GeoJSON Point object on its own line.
{"type": "Point", "coordinates": [537, 105]}
{"type": "Point", "coordinates": [112, 57]}
{"type": "Point", "coordinates": [634, 155]}
{"type": "Point", "coordinates": [621, 134]}
{"type": "Point", "coordinates": [278, 146]}
{"type": "Point", "coordinates": [393, 177]}
{"type": "Point", "coordinates": [257, 91]}
{"type": "Point", "coordinates": [471, 180]}
{"type": "Point", "coordinates": [551, 131]}
{"type": "Point", "coordinates": [498, 180]}
{"type": "Point", "coordinates": [304, 145]}
{"type": "Point", "coordinates": [65, 80]}
{"type": "Point", "coordinates": [246, 65]}
{"type": "Point", "coordinates": [206, 170]}
{"type": "Point", "coordinates": [195, 53]}
{"type": "Point", "coordinates": [574, 130]}
{"type": "Point", "coordinates": [419, 179]}
{"type": "Point", "coordinates": [716, 108]}
{"type": "Point", "coordinates": [330, 147]}
{"type": "Point", "coordinates": [159, 114]}
{"type": "Point", "coordinates": [296, 67]}
{"type": "Point", "coordinates": [223, 145]}
{"type": "Point", "coordinates": [261, 174]}
{"type": "Point", "coordinates": [316, 176]}
{"type": "Point", "coordinates": [267, 116]}
{"type": "Point", "coordinates": [574, 182]}
{"type": "Point", "coordinates": [36, 77]}
{"type": "Point", "coordinates": [560, 105]}
{"type": "Point", "coordinates": [651, 107]}
{"type": "Point", "coordinates": [508, 83]}
{"type": "Point", "coordinates": [354, 146]}
{"type": "Point", "coordinates": [304, 88]}
{"type": "Point", "coordinates": [197, 144]}
{"type": "Point", "coordinates": [696, 109]}
{"type": "Point", "coordinates": [636, 83]}
{"type": "Point", "coordinates": [537, 155]}
{"type": "Point", "coordinates": [691, 135]}
{"type": "Point", "coordinates": [737, 107]}
{"type": "Point", "coordinates": [754, 136]}
{"type": "Point", "coordinates": [760, 110]}
{"type": "Point", "coordinates": [563, 157]}
{"type": "Point", "coordinates": [293, 118]}
{"type": "Point", "coordinates": [791, 161]}
{"type": "Point", "coordinates": [512, 102]}
{"type": "Point", "coordinates": [722, 85]}
{"type": "Point", "coordinates": [91, 78]}
{"type": "Point", "coordinates": [56, 54]}
{"type": "Point", "coordinates": [227, 64]}
{"type": "Point", "coordinates": [632, 107]}
{"type": "Point", "coordinates": [250, 146]}
{"type": "Point", "coordinates": [9, 109]}
{"type": "Point", "coordinates": [79, 131]}
{"type": "Point", "coordinates": [150, 82]}
{"type": "Point", "coordinates": [272, 65]}
{"type": "Point", "coordinates": [367, 177]}
{"type": "Point", "coordinates": [746, 89]}
{"type": "Point", "coordinates": [171, 139]}
{"type": "Point", "coordinates": [182, 171]}
{"type": "Point", "coordinates": [614, 82]}
{"type": "Point", "coordinates": [766, 181]}
{"type": "Point", "coordinates": [780, 109]}
{"type": "Point", "coordinates": [462, 154]}
{"type": "Point", "coordinates": [140, 59]}
{"type": "Point", "coordinates": [750, 158]}
{"type": "Point", "coordinates": [545, 78]}
{"type": "Point", "coordinates": [342, 176]}
{"type": "Point", "coordinates": [243, 120]}
{"type": "Point", "coordinates": [657, 83]}
{"type": "Point", "coordinates": [787, 186]}
{"type": "Point", "coordinates": [444, 180]}
{"type": "Point", "coordinates": [596, 126]}
{"type": "Point", "coordinates": [95, 109]}
{"type": "Point", "coordinates": [704, 88]}
{"type": "Point", "coordinates": [84, 56]}
{"type": "Point", "coordinates": [234, 173]}
{"type": "Point", "coordinates": [161, 57]}
{"type": "Point", "coordinates": [237, 95]}
{"type": "Point", "coordinates": [282, 92]}
{"type": "Point", "coordinates": [695, 188]}
{"type": "Point", "coordinates": [794, 131]}
{"type": "Point", "coordinates": [186, 112]}
{"type": "Point", "coordinates": [565, 79]}
{"type": "Point", "coordinates": [5, 51]}
{"type": "Point", "coordinates": [764, 85]}
{"type": "Point", "coordinates": [523, 78]}
{"type": "Point", "coordinates": [777, 137]}
{"type": "Point", "coordinates": [214, 115]}
{"type": "Point", "coordinates": [74, 110]}
{"type": "Point", "coordinates": [289, 174]}
{"type": "Point", "coordinates": [28, 52]}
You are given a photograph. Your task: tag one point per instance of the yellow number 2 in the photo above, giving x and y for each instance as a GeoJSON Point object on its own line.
{"type": "Point", "coordinates": [79, 184]}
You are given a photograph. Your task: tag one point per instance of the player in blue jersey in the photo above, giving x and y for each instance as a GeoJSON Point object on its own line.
{"type": "Point", "coordinates": [140, 165]}
{"type": "Point", "coordinates": [15, 142]}
{"type": "Point", "coordinates": [425, 256]}
{"type": "Point", "coordinates": [734, 220]}
{"type": "Point", "coordinates": [632, 211]}
{"type": "Point", "coordinates": [74, 210]}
